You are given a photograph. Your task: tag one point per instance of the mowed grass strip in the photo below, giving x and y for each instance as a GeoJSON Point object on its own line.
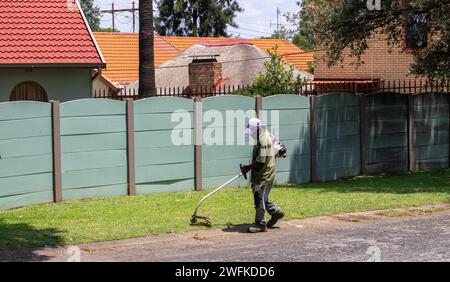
{"type": "Point", "coordinates": [112, 218]}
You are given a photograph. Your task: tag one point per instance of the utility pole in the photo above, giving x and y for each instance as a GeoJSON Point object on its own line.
{"type": "Point", "coordinates": [278, 21]}
{"type": "Point", "coordinates": [113, 16]}
{"type": "Point", "coordinates": [113, 11]}
{"type": "Point", "coordinates": [134, 16]}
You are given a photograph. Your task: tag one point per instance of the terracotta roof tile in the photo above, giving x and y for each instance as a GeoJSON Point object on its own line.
{"type": "Point", "coordinates": [123, 66]}
{"type": "Point", "coordinates": [121, 51]}
{"type": "Point", "coordinates": [45, 32]}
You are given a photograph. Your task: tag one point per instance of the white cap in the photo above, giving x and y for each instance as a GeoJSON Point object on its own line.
{"type": "Point", "coordinates": [252, 126]}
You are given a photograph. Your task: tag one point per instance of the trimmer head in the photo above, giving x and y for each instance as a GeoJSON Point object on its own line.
{"type": "Point", "coordinates": [206, 218]}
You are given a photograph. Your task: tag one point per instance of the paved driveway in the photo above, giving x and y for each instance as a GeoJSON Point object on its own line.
{"type": "Point", "coordinates": [350, 237]}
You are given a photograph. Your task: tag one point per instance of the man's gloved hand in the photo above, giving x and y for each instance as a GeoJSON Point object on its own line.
{"type": "Point", "coordinates": [245, 169]}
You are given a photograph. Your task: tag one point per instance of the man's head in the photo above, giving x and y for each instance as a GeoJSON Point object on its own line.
{"type": "Point", "coordinates": [253, 126]}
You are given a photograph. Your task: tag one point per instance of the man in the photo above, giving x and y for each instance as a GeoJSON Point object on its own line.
{"type": "Point", "coordinates": [263, 176]}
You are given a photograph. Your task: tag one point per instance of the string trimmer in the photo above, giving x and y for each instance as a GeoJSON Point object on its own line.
{"type": "Point", "coordinates": [206, 218]}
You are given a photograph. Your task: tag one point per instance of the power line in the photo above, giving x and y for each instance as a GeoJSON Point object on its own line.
{"type": "Point", "coordinates": [129, 19]}
{"type": "Point", "coordinates": [236, 61]}
{"type": "Point", "coordinates": [249, 34]}
{"type": "Point", "coordinates": [251, 30]}
{"type": "Point", "coordinates": [113, 11]}
{"type": "Point", "coordinates": [256, 24]}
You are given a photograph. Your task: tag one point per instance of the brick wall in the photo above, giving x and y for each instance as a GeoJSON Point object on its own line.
{"type": "Point", "coordinates": [379, 63]}
{"type": "Point", "coordinates": [204, 75]}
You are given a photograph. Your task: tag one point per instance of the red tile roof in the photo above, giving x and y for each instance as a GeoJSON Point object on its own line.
{"type": "Point", "coordinates": [45, 32]}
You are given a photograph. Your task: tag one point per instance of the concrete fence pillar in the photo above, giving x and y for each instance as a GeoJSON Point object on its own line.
{"type": "Point", "coordinates": [198, 129]}
{"type": "Point", "coordinates": [259, 106]}
{"type": "Point", "coordinates": [313, 136]}
{"type": "Point", "coordinates": [411, 159]}
{"type": "Point", "coordinates": [362, 133]}
{"type": "Point", "coordinates": [131, 158]}
{"type": "Point", "coordinates": [56, 144]}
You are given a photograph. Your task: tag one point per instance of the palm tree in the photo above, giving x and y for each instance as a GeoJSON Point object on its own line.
{"type": "Point", "coordinates": [147, 86]}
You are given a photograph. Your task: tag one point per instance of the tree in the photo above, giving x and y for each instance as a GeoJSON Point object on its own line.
{"type": "Point", "coordinates": [147, 85]}
{"type": "Point", "coordinates": [302, 34]}
{"type": "Point", "coordinates": [196, 17]}
{"type": "Point", "coordinates": [92, 14]}
{"type": "Point", "coordinates": [108, 29]}
{"type": "Point", "coordinates": [279, 78]}
{"type": "Point", "coordinates": [342, 24]}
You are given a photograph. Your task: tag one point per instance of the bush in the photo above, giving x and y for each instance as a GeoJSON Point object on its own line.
{"type": "Point", "coordinates": [279, 78]}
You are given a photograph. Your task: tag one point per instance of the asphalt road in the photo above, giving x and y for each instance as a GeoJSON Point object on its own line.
{"type": "Point", "coordinates": [356, 237]}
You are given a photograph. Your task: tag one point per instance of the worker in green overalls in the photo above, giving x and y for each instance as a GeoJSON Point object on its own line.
{"type": "Point", "coordinates": [263, 175]}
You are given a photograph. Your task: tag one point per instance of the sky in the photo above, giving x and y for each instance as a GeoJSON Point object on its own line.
{"type": "Point", "coordinates": [253, 22]}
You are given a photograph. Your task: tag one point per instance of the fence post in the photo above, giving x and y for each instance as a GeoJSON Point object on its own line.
{"type": "Point", "coordinates": [56, 144]}
{"type": "Point", "coordinates": [258, 106]}
{"type": "Point", "coordinates": [313, 128]}
{"type": "Point", "coordinates": [131, 158]}
{"type": "Point", "coordinates": [411, 161]}
{"type": "Point", "coordinates": [362, 132]}
{"type": "Point", "coordinates": [198, 128]}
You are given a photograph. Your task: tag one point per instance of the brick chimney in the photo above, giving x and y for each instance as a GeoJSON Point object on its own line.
{"type": "Point", "coordinates": [205, 72]}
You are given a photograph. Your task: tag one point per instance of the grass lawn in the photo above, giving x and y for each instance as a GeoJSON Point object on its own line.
{"type": "Point", "coordinates": [103, 219]}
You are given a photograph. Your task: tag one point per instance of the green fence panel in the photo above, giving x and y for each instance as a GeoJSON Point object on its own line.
{"type": "Point", "coordinates": [94, 148]}
{"type": "Point", "coordinates": [164, 144]}
{"type": "Point", "coordinates": [386, 132]}
{"type": "Point", "coordinates": [431, 131]}
{"type": "Point", "coordinates": [293, 124]}
{"type": "Point", "coordinates": [26, 164]}
{"type": "Point", "coordinates": [224, 144]}
{"type": "Point", "coordinates": [338, 137]}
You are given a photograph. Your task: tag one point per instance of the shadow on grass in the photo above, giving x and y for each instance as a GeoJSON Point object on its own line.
{"type": "Point", "coordinates": [406, 183]}
{"type": "Point", "coordinates": [26, 239]}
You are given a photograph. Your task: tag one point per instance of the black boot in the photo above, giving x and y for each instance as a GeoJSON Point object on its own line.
{"type": "Point", "coordinates": [257, 228]}
{"type": "Point", "coordinates": [260, 221]}
{"type": "Point", "coordinates": [275, 219]}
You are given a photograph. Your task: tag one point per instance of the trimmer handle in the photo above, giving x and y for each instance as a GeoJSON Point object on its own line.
{"type": "Point", "coordinates": [243, 173]}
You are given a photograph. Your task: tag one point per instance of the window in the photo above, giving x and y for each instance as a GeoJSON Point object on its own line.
{"type": "Point", "coordinates": [28, 91]}
{"type": "Point", "coordinates": [416, 35]}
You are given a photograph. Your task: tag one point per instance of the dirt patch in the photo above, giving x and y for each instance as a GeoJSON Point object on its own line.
{"type": "Point", "coordinates": [399, 212]}
{"type": "Point", "coordinates": [355, 217]}
{"type": "Point", "coordinates": [412, 211]}
{"type": "Point", "coordinates": [87, 249]}
{"type": "Point", "coordinates": [199, 237]}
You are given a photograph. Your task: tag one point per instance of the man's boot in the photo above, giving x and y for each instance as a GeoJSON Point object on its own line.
{"type": "Point", "coordinates": [260, 221]}
{"type": "Point", "coordinates": [275, 217]}
{"type": "Point", "coordinates": [257, 228]}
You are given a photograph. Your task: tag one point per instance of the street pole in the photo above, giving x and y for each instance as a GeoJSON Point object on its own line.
{"type": "Point", "coordinates": [278, 22]}
{"type": "Point", "coordinates": [134, 17]}
{"type": "Point", "coordinates": [112, 12]}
